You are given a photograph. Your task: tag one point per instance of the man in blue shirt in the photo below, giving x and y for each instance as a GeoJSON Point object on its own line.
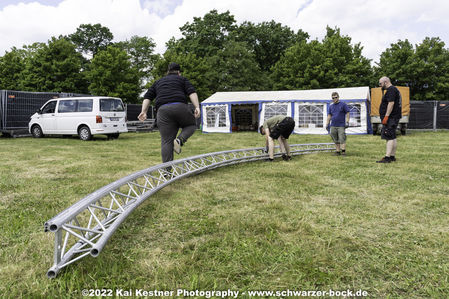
{"type": "Point", "coordinates": [337, 122]}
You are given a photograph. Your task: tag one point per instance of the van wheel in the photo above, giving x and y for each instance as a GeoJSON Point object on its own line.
{"type": "Point", "coordinates": [84, 133]}
{"type": "Point", "coordinates": [36, 131]}
{"type": "Point", "coordinates": [113, 136]}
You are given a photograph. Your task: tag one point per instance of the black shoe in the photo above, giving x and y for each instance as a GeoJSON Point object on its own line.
{"type": "Point", "coordinates": [384, 160]}
{"type": "Point", "coordinates": [336, 153]}
{"type": "Point", "coordinates": [286, 158]}
{"type": "Point", "coordinates": [343, 153]}
{"type": "Point", "coordinates": [168, 173]}
{"type": "Point", "coordinates": [393, 158]}
{"type": "Point", "coordinates": [269, 160]}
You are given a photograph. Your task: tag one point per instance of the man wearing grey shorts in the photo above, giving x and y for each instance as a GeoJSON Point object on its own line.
{"type": "Point", "coordinates": [171, 93]}
{"type": "Point", "coordinates": [337, 122]}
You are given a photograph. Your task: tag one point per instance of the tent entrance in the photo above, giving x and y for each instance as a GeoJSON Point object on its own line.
{"type": "Point", "coordinates": [245, 117]}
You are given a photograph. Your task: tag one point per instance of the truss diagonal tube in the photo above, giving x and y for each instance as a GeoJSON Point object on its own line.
{"type": "Point", "coordinates": [97, 222]}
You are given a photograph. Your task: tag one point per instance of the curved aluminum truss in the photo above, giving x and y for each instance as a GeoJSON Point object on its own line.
{"type": "Point", "coordinates": [85, 227]}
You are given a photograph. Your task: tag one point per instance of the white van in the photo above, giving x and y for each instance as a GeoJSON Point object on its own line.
{"type": "Point", "coordinates": [83, 116]}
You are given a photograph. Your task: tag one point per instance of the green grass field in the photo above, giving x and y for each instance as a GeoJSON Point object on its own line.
{"type": "Point", "coordinates": [318, 222]}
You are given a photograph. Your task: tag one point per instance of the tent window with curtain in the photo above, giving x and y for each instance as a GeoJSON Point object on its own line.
{"type": "Point", "coordinates": [216, 116]}
{"type": "Point", "coordinates": [310, 115]}
{"type": "Point", "coordinates": [275, 109]}
{"type": "Point", "coordinates": [355, 116]}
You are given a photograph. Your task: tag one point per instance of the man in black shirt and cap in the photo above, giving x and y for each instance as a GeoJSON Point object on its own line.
{"type": "Point", "coordinates": [171, 93]}
{"type": "Point", "coordinates": [390, 112]}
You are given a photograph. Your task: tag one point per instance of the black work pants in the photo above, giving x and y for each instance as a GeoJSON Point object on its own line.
{"type": "Point", "coordinates": [170, 118]}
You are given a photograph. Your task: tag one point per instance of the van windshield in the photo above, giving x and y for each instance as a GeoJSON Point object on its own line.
{"type": "Point", "coordinates": [49, 108]}
{"type": "Point", "coordinates": [111, 105]}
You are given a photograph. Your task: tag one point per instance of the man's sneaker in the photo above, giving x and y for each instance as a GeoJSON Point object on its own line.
{"type": "Point", "coordinates": [177, 146]}
{"type": "Point", "coordinates": [336, 153]}
{"type": "Point", "coordinates": [269, 160]}
{"type": "Point", "coordinates": [286, 158]}
{"type": "Point", "coordinates": [384, 160]}
{"type": "Point", "coordinates": [393, 158]}
{"type": "Point", "coordinates": [343, 153]}
{"type": "Point", "coordinates": [168, 173]}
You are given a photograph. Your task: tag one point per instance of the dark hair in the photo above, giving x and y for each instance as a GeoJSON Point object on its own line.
{"type": "Point", "coordinates": [173, 67]}
{"type": "Point", "coordinates": [260, 130]}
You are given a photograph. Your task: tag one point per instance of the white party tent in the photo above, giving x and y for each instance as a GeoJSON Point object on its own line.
{"type": "Point", "coordinates": [244, 111]}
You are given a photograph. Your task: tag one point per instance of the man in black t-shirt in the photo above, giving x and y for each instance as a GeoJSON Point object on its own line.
{"type": "Point", "coordinates": [390, 112]}
{"type": "Point", "coordinates": [171, 93]}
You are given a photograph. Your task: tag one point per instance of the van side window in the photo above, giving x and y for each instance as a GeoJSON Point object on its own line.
{"type": "Point", "coordinates": [49, 108]}
{"type": "Point", "coordinates": [85, 106]}
{"type": "Point", "coordinates": [111, 105]}
{"type": "Point", "coordinates": [67, 106]}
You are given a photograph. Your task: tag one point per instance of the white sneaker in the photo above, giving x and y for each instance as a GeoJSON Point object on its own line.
{"type": "Point", "coordinates": [177, 146]}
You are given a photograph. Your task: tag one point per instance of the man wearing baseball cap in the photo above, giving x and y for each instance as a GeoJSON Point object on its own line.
{"type": "Point", "coordinates": [171, 93]}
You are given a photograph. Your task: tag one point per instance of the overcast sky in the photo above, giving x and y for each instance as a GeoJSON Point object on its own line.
{"type": "Point", "coordinates": [375, 24]}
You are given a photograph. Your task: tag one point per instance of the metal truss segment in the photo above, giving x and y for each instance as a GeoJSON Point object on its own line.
{"type": "Point", "coordinates": [77, 235]}
{"type": "Point", "coordinates": [85, 227]}
{"type": "Point", "coordinates": [124, 195]}
{"type": "Point", "coordinates": [106, 209]}
{"type": "Point", "coordinates": [100, 207]}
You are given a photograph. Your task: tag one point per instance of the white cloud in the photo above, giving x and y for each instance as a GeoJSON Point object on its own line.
{"type": "Point", "coordinates": [161, 8]}
{"type": "Point", "coordinates": [375, 24]}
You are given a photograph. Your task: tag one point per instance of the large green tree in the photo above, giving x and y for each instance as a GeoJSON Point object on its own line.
{"type": "Point", "coordinates": [299, 67]}
{"type": "Point", "coordinates": [268, 40]}
{"type": "Point", "coordinates": [424, 68]}
{"type": "Point", "coordinates": [212, 58]}
{"type": "Point", "coordinates": [333, 62]}
{"type": "Point", "coordinates": [396, 62]}
{"type": "Point", "coordinates": [111, 74]}
{"type": "Point", "coordinates": [12, 65]}
{"type": "Point", "coordinates": [231, 68]}
{"type": "Point", "coordinates": [205, 36]}
{"type": "Point", "coordinates": [55, 66]}
{"type": "Point", "coordinates": [142, 56]}
{"type": "Point", "coordinates": [237, 69]}
{"type": "Point", "coordinates": [344, 65]}
{"type": "Point", "coordinates": [89, 39]}
{"type": "Point", "coordinates": [198, 70]}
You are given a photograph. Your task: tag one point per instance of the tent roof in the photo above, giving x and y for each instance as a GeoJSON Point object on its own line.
{"type": "Point", "coordinates": [350, 93]}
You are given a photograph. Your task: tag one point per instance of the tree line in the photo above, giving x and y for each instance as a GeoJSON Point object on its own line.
{"type": "Point", "coordinates": [217, 54]}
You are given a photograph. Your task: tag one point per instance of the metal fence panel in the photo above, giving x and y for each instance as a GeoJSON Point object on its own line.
{"type": "Point", "coordinates": [421, 115]}
{"type": "Point", "coordinates": [2, 94]}
{"type": "Point", "coordinates": [443, 115]}
{"type": "Point", "coordinates": [18, 106]}
{"type": "Point", "coordinates": [133, 111]}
